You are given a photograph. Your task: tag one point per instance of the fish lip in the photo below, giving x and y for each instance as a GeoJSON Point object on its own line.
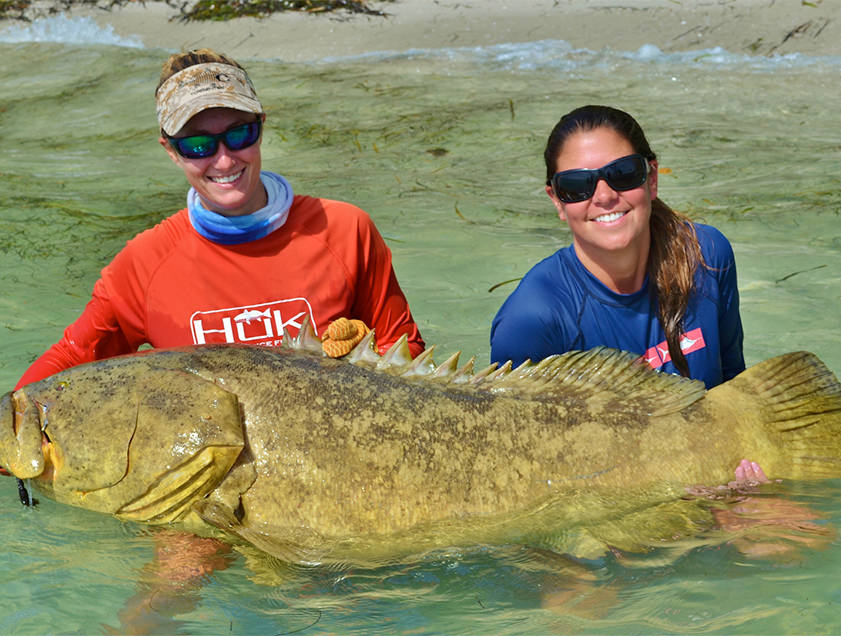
{"type": "Point", "coordinates": [6, 411]}
{"type": "Point", "coordinates": [21, 435]}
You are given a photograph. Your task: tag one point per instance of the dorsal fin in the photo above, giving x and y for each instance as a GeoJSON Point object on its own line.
{"type": "Point", "coordinates": [481, 375]}
{"type": "Point", "coordinates": [287, 342]}
{"type": "Point", "coordinates": [306, 338]}
{"type": "Point", "coordinates": [464, 374]}
{"type": "Point", "coordinates": [422, 365]}
{"type": "Point", "coordinates": [398, 356]}
{"type": "Point", "coordinates": [622, 381]}
{"type": "Point", "coordinates": [363, 351]}
{"type": "Point", "coordinates": [500, 372]}
{"type": "Point", "coordinates": [621, 378]}
{"type": "Point", "coordinates": [447, 368]}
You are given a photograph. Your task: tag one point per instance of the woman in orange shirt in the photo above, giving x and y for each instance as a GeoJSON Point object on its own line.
{"type": "Point", "coordinates": [246, 259]}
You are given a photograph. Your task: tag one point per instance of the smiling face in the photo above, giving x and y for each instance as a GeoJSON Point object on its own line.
{"type": "Point", "coordinates": [610, 230]}
{"type": "Point", "coordinates": [227, 182]}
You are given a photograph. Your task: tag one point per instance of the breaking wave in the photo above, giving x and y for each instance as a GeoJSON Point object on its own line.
{"type": "Point", "coordinates": [65, 30]}
{"type": "Point", "coordinates": [540, 55]}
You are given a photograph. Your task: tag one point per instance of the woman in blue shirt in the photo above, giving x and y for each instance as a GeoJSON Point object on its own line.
{"type": "Point", "coordinates": [638, 276]}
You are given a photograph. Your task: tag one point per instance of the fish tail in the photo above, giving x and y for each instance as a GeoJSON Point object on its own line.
{"type": "Point", "coordinates": [800, 400]}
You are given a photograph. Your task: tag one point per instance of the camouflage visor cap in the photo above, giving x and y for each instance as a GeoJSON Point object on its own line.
{"type": "Point", "coordinates": [200, 87]}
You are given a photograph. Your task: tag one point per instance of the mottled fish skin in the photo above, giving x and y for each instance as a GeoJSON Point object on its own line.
{"type": "Point", "coordinates": [312, 458]}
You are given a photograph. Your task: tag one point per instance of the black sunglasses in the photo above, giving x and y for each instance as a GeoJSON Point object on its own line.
{"type": "Point", "coordinates": [203, 146]}
{"type": "Point", "coordinates": [626, 173]}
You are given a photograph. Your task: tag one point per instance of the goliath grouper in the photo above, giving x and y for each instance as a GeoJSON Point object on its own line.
{"type": "Point", "coordinates": [369, 458]}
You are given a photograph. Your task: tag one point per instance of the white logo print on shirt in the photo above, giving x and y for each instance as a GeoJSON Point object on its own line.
{"type": "Point", "coordinates": [261, 324]}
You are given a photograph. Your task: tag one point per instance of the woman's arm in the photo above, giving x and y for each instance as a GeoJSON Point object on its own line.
{"type": "Point", "coordinates": [379, 302]}
{"type": "Point", "coordinates": [730, 324]}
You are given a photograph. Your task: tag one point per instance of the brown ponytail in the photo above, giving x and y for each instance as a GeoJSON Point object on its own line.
{"type": "Point", "coordinates": [673, 259]}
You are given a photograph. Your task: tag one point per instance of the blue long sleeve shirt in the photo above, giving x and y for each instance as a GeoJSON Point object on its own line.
{"type": "Point", "coordinates": [560, 306]}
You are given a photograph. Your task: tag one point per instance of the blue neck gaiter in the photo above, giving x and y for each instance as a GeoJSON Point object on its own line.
{"type": "Point", "coordinates": [231, 230]}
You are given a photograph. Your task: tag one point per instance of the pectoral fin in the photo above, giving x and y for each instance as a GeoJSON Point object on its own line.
{"type": "Point", "coordinates": [170, 497]}
{"type": "Point", "coordinates": [188, 434]}
{"type": "Point", "coordinates": [667, 525]}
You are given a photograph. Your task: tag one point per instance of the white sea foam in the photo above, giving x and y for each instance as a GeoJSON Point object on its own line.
{"type": "Point", "coordinates": [66, 30]}
{"type": "Point", "coordinates": [542, 55]}
{"type": "Point", "coordinates": [559, 55]}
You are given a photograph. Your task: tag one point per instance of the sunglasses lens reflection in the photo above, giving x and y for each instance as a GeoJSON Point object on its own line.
{"type": "Point", "coordinates": [203, 146]}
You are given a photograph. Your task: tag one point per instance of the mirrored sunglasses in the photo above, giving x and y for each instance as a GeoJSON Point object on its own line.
{"type": "Point", "coordinates": [625, 173]}
{"type": "Point", "coordinates": [203, 146]}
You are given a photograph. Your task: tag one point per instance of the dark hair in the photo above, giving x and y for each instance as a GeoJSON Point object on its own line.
{"type": "Point", "coordinates": [675, 254]}
{"type": "Point", "coordinates": [179, 61]}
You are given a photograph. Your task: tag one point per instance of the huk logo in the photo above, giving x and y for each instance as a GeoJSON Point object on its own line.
{"type": "Point", "coordinates": [658, 355]}
{"type": "Point", "coordinates": [254, 324]}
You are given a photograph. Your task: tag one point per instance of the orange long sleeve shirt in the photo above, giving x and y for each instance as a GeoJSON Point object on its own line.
{"type": "Point", "coordinates": [171, 287]}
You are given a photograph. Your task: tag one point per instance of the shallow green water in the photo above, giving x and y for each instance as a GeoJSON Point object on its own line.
{"type": "Point", "coordinates": [444, 151]}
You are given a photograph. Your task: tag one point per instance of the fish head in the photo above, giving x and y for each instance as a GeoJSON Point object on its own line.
{"type": "Point", "coordinates": [127, 438]}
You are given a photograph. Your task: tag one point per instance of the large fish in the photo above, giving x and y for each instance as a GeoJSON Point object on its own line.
{"type": "Point", "coordinates": [366, 459]}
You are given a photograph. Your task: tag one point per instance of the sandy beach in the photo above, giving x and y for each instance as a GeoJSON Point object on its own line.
{"type": "Point", "coordinates": [756, 27]}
